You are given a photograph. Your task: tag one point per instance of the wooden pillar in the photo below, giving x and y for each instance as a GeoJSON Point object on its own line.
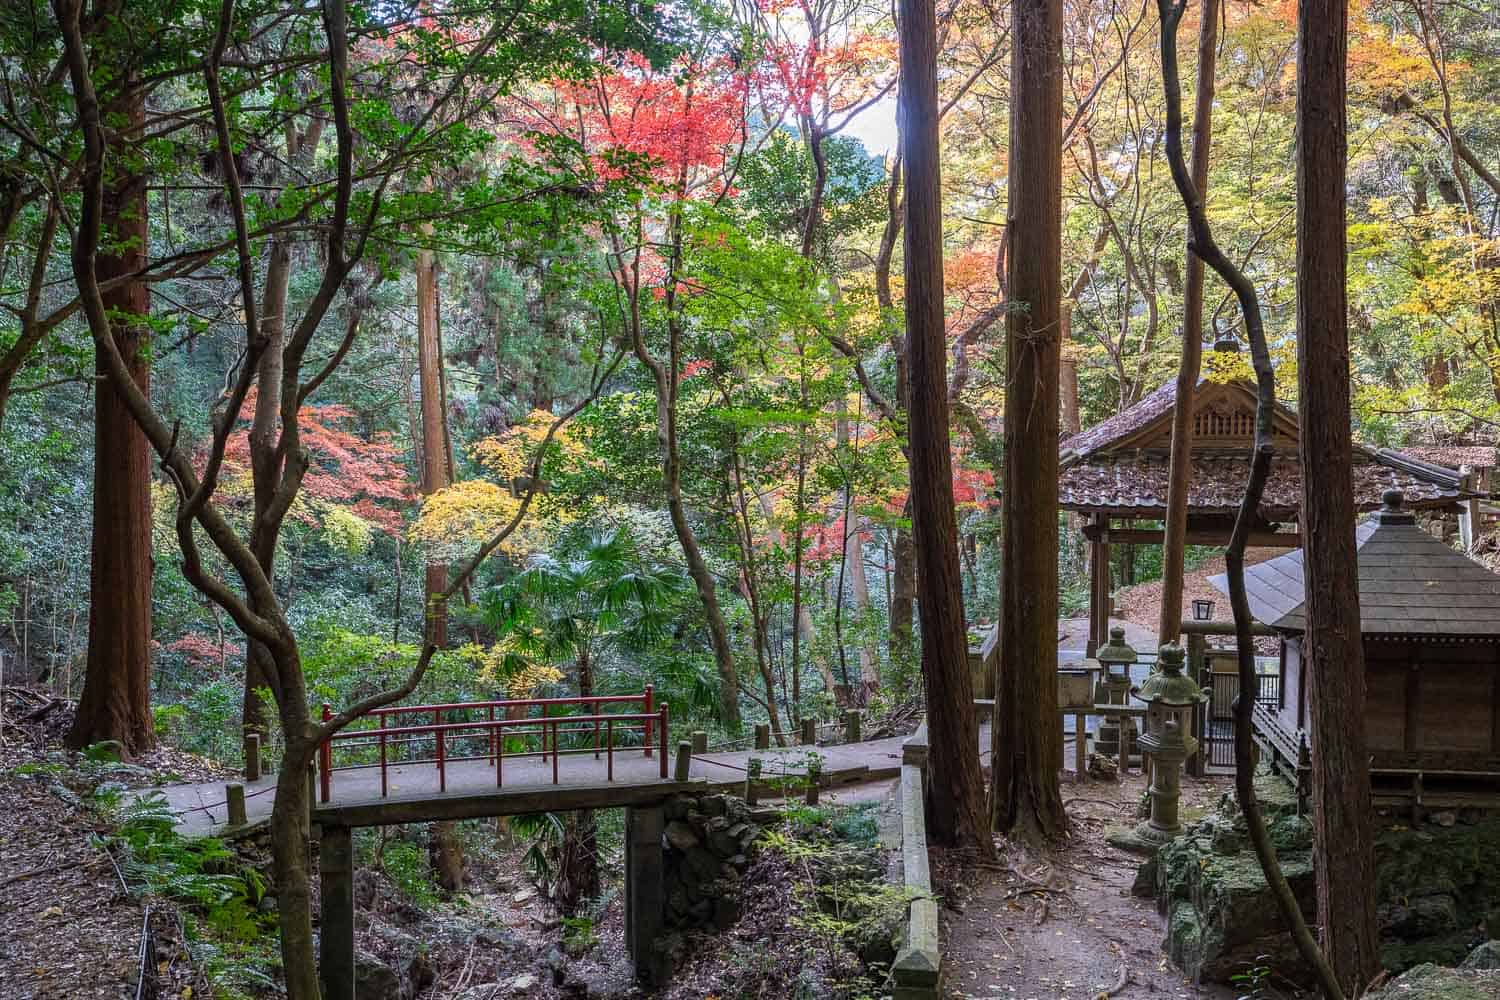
{"type": "Point", "coordinates": [1098, 587]}
{"type": "Point", "coordinates": [336, 925]}
{"type": "Point", "coordinates": [1413, 727]}
{"type": "Point", "coordinates": [1197, 669]}
{"type": "Point", "coordinates": [645, 896]}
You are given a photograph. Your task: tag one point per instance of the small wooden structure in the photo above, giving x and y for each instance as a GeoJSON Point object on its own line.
{"type": "Point", "coordinates": [1115, 474]}
{"type": "Point", "coordinates": [1430, 618]}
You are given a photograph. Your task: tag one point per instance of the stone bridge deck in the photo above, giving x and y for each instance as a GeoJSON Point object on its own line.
{"type": "Point", "coordinates": [413, 793]}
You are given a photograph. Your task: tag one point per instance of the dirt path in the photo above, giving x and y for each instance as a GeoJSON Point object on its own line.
{"type": "Point", "coordinates": [1060, 924]}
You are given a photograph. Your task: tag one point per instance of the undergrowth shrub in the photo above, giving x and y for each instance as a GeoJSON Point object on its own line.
{"type": "Point", "coordinates": [230, 940]}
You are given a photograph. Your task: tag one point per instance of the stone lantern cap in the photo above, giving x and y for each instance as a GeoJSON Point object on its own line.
{"type": "Point", "coordinates": [1167, 684]}
{"type": "Point", "coordinates": [1116, 652]}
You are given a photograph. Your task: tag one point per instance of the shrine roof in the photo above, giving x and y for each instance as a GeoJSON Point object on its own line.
{"type": "Point", "coordinates": [1410, 584]}
{"type": "Point", "coordinates": [1120, 466]}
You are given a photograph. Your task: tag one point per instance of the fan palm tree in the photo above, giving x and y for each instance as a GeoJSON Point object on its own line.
{"type": "Point", "coordinates": [599, 597]}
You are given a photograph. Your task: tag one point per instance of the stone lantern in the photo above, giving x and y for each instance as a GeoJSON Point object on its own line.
{"type": "Point", "coordinates": [1170, 698]}
{"type": "Point", "coordinates": [1116, 728]}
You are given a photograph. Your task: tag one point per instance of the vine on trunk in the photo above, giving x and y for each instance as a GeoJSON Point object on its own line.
{"type": "Point", "coordinates": [1201, 242]}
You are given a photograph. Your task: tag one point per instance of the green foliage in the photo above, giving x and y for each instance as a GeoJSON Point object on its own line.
{"type": "Point", "coordinates": [578, 935]}
{"type": "Point", "coordinates": [406, 864]}
{"type": "Point", "coordinates": [231, 939]}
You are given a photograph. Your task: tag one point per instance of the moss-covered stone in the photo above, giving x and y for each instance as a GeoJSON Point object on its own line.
{"type": "Point", "coordinates": [1436, 887]}
{"type": "Point", "coordinates": [1434, 982]}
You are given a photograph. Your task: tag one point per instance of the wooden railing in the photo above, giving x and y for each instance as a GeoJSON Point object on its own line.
{"type": "Point", "coordinates": [597, 730]}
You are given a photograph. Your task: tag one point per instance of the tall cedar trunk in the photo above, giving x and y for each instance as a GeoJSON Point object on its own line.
{"type": "Point", "coordinates": [578, 856]}
{"type": "Point", "coordinates": [436, 473]}
{"type": "Point", "coordinates": [1174, 543]}
{"type": "Point", "coordinates": [956, 803]}
{"type": "Point", "coordinates": [116, 700]}
{"type": "Point", "coordinates": [1343, 841]}
{"type": "Point", "coordinates": [1028, 730]}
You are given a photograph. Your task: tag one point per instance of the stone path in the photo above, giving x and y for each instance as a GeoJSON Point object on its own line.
{"type": "Point", "coordinates": [201, 807]}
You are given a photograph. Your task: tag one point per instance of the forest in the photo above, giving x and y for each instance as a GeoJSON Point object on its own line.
{"type": "Point", "coordinates": [491, 356]}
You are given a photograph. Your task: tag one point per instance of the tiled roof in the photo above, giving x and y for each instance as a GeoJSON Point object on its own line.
{"type": "Point", "coordinates": [1136, 482]}
{"type": "Point", "coordinates": [1410, 583]}
{"type": "Point", "coordinates": [1454, 456]}
{"type": "Point", "coordinates": [1127, 422]}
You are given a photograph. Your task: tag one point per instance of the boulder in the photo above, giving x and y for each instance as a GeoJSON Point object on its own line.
{"type": "Point", "coordinates": [1486, 956]}
{"type": "Point", "coordinates": [1423, 916]}
{"type": "Point", "coordinates": [681, 836]}
{"type": "Point", "coordinates": [1433, 982]}
{"type": "Point", "coordinates": [373, 979]}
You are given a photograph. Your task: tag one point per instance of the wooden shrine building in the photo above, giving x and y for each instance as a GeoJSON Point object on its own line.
{"type": "Point", "coordinates": [1430, 619]}
{"type": "Point", "coordinates": [1115, 475]}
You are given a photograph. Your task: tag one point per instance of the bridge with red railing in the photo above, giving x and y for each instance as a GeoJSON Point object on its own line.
{"type": "Point", "coordinates": [407, 763]}
{"type": "Point", "coordinates": [424, 763]}
{"type": "Point", "coordinates": [475, 743]}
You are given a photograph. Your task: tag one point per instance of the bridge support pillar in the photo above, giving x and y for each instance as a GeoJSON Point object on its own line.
{"type": "Point", "coordinates": [336, 924]}
{"type": "Point", "coordinates": [645, 894]}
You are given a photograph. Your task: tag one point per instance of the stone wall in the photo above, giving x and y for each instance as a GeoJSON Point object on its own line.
{"type": "Point", "coordinates": [1437, 890]}
{"type": "Point", "coordinates": [708, 840]}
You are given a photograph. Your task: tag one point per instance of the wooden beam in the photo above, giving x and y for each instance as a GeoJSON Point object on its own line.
{"type": "Point", "coordinates": [1147, 536]}
{"type": "Point", "coordinates": [501, 802]}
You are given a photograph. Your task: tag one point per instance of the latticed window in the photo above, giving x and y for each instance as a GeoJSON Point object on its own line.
{"type": "Point", "coordinates": [1218, 424]}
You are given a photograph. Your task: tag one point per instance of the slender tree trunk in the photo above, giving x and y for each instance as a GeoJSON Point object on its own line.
{"type": "Point", "coordinates": [265, 470]}
{"type": "Point", "coordinates": [1202, 242]}
{"type": "Point", "coordinates": [1343, 841]}
{"type": "Point", "coordinates": [903, 552]}
{"type": "Point", "coordinates": [436, 472]}
{"type": "Point", "coordinates": [116, 700]}
{"type": "Point", "coordinates": [447, 853]}
{"type": "Point", "coordinates": [1174, 542]}
{"type": "Point", "coordinates": [903, 591]}
{"type": "Point", "coordinates": [1026, 797]}
{"type": "Point", "coordinates": [859, 587]}
{"type": "Point", "coordinates": [578, 861]}
{"type": "Point", "coordinates": [956, 804]}
{"type": "Point", "coordinates": [802, 633]}
{"type": "Point", "coordinates": [1072, 422]}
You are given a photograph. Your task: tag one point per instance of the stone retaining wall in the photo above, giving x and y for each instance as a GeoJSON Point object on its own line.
{"type": "Point", "coordinates": [1437, 889]}
{"type": "Point", "coordinates": [708, 839]}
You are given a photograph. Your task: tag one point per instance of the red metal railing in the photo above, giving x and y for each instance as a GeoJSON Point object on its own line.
{"type": "Point", "coordinates": [391, 732]}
